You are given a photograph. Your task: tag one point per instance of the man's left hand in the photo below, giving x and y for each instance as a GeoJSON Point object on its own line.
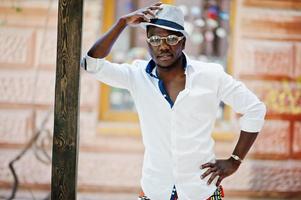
{"type": "Point", "coordinates": [221, 168]}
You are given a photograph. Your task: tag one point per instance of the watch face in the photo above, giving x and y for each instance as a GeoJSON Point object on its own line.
{"type": "Point", "coordinates": [235, 157]}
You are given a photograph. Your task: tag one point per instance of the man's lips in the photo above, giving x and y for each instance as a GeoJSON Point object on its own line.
{"type": "Point", "coordinates": [165, 56]}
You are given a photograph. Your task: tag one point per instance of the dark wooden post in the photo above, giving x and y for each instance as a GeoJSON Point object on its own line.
{"type": "Point", "coordinates": [66, 112]}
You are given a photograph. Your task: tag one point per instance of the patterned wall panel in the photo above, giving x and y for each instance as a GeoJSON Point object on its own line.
{"type": "Point", "coordinates": [16, 47]}
{"type": "Point", "coordinates": [297, 139]}
{"type": "Point", "coordinates": [27, 87]}
{"type": "Point", "coordinates": [15, 126]}
{"type": "Point", "coordinates": [16, 87]}
{"type": "Point", "coordinates": [280, 97]}
{"type": "Point", "coordinates": [109, 169]}
{"type": "Point", "coordinates": [279, 4]}
{"type": "Point", "coordinates": [46, 48]}
{"type": "Point", "coordinates": [38, 87]}
{"type": "Point", "coordinates": [273, 139]}
{"type": "Point", "coordinates": [91, 24]}
{"type": "Point", "coordinates": [35, 172]}
{"type": "Point", "coordinates": [89, 91]}
{"type": "Point", "coordinates": [32, 13]}
{"type": "Point", "coordinates": [266, 176]}
{"type": "Point", "coordinates": [266, 58]}
{"type": "Point", "coordinates": [297, 72]}
{"type": "Point", "coordinates": [270, 23]}
{"type": "Point", "coordinates": [45, 87]}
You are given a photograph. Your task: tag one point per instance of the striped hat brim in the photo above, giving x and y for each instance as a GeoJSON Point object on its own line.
{"type": "Point", "coordinates": [165, 24]}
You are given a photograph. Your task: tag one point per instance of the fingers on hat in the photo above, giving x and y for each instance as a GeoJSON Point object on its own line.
{"type": "Point", "coordinates": [149, 12]}
{"type": "Point", "coordinates": [158, 3]}
{"type": "Point", "coordinates": [145, 18]}
{"type": "Point", "coordinates": [155, 8]}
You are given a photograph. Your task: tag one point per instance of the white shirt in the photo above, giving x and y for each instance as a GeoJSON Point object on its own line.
{"type": "Point", "coordinates": [178, 139]}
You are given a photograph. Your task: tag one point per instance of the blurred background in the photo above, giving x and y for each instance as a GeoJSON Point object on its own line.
{"type": "Point", "coordinates": [257, 41]}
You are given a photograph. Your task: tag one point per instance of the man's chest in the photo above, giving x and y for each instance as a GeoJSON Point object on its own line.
{"type": "Point", "coordinates": [174, 87]}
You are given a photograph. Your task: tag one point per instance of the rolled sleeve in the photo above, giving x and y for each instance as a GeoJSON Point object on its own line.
{"type": "Point", "coordinates": [113, 74]}
{"type": "Point", "coordinates": [250, 123]}
{"type": "Point", "coordinates": [89, 64]}
{"type": "Point", "coordinates": [235, 94]}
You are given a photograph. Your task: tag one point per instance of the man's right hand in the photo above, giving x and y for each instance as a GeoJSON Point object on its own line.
{"type": "Point", "coordinates": [142, 15]}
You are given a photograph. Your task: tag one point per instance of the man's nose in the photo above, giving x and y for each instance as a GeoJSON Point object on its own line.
{"type": "Point", "coordinates": [164, 45]}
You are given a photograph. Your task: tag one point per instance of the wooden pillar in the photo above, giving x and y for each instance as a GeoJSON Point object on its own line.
{"type": "Point", "coordinates": [66, 115]}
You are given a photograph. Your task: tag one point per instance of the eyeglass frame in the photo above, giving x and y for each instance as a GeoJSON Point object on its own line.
{"type": "Point", "coordinates": [165, 38]}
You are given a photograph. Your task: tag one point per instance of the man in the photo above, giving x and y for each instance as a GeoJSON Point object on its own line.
{"type": "Point", "coordinates": [177, 100]}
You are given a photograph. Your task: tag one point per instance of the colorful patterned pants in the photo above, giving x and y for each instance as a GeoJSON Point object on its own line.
{"type": "Point", "coordinates": [217, 195]}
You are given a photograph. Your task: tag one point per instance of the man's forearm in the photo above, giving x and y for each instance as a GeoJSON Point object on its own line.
{"type": "Point", "coordinates": [103, 45]}
{"type": "Point", "coordinates": [244, 144]}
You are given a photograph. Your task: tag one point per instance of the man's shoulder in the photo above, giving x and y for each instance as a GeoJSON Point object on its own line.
{"type": "Point", "coordinates": [210, 67]}
{"type": "Point", "coordinates": [140, 63]}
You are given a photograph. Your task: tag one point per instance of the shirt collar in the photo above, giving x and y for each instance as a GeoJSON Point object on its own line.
{"type": "Point", "coordinates": [189, 65]}
{"type": "Point", "coordinates": [150, 66]}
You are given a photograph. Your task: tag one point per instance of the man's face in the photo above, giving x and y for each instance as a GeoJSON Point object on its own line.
{"type": "Point", "coordinates": [165, 55]}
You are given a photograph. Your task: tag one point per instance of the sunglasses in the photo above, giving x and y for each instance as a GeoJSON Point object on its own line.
{"type": "Point", "coordinates": [170, 40]}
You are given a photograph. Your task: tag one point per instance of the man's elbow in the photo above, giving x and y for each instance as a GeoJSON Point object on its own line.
{"type": "Point", "coordinates": [257, 110]}
{"type": "Point", "coordinates": [262, 109]}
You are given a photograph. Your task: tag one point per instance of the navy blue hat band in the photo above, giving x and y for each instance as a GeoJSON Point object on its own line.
{"type": "Point", "coordinates": [167, 23]}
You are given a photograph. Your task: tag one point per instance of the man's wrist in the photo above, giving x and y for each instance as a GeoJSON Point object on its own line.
{"type": "Point", "coordinates": [236, 158]}
{"type": "Point", "coordinates": [122, 21]}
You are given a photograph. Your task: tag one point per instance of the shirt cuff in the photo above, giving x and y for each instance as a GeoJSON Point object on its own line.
{"type": "Point", "coordinates": [251, 125]}
{"type": "Point", "coordinates": [91, 64]}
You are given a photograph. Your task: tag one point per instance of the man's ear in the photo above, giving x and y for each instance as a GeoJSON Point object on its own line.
{"type": "Point", "coordinates": [183, 43]}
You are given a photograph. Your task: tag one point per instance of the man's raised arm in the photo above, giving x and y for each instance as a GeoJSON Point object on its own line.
{"type": "Point", "coordinates": [103, 45]}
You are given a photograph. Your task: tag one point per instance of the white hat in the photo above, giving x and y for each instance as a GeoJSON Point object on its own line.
{"type": "Point", "coordinates": [169, 17]}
